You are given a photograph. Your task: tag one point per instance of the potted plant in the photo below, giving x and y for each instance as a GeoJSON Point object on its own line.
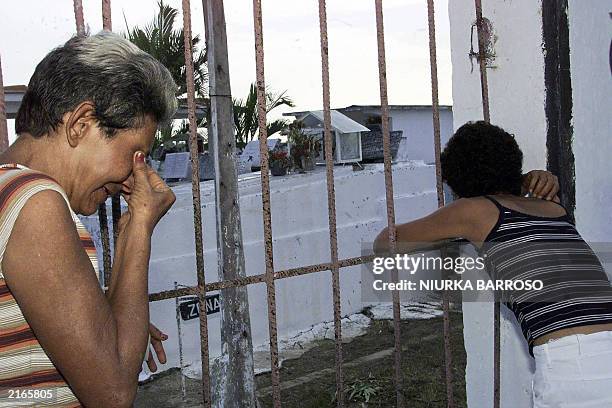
{"type": "Point", "coordinates": [304, 148]}
{"type": "Point", "coordinates": [279, 162]}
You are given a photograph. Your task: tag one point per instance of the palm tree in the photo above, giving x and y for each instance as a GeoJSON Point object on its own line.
{"type": "Point", "coordinates": [246, 118]}
{"type": "Point", "coordinates": [167, 45]}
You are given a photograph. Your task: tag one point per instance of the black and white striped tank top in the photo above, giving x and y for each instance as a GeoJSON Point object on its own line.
{"type": "Point", "coordinates": [575, 288]}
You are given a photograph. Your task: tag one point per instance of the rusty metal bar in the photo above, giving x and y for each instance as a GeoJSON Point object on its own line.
{"type": "Point", "coordinates": [78, 16]}
{"type": "Point", "coordinates": [249, 280]}
{"type": "Point", "coordinates": [102, 216]}
{"type": "Point", "coordinates": [116, 214]}
{"type": "Point", "coordinates": [331, 201]}
{"type": "Point", "coordinates": [496, 354]}
{"type": "Point", "coordinates": [265, 198]}
{"type": "Point", "coordinates": [484, 88]}
{"type": "Point", "coordinates": [107, 22]}
{"type": "Point", "coordinates": [4, 142]}
{"type": "Point", "coordinates": [484, 85]}
{"type": "Point", "coordinates": [433, 63]}
{"type": "Point", "coordinates": [197, 209]}
{"type": "Point", "coordinates": [384, 105]}
{"type": "Point", "coordinates": [104, 235]}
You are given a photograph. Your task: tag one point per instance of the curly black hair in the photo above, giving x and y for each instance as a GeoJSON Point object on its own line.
{"type": "Point", "coordinates": [480, 159]}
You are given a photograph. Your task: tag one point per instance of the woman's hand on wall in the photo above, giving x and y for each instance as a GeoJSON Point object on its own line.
{"type": "Point", "coordinates": [541, 184]}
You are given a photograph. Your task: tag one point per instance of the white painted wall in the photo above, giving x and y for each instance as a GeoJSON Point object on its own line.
{"type": "Point", "coordinates": [590, 35]}
{"type": "Point", "coordinates": [516, 84]}
{"type": "Point", "coordinates": [516, 92]}
{"type": "Point", "coordinates": [301, 237]}
{"type": "Point", "coordinates": [417, 126]}
{"type": "Point", "coordinates": [517, 97]}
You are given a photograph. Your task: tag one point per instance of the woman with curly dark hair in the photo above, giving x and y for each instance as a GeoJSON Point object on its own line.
{"type": "Point", "coordinates": [568, 324]}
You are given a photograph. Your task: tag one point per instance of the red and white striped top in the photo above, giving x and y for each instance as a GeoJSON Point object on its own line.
{"type": "Point", "coordinates": [23, 362]}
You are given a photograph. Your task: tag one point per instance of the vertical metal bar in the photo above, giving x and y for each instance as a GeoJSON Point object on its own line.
{"type": "Point", "coordinates": [433, 63]}
{"type": "Point", "coordinates": [78, 16]}
{"type": "Point", "coordinates": [237, 385]}
{"type": "Point", "coordinates": [116, 214]}
{"type": "Point", "coordinates": [180, 343]}
{"type": "Point", "coordinates": [265, 198]}
{"type": "Point", "coordinates": [197, 209]}
{"type": "Point", "coordinates": [107, 23]}
{"type": "Point", "coordinates": [4, 143]}
{"type": "Point", "coordinates": [384, 105]}
{"type": "Point", "coordinates": [331, 200]}
{"type": "Point", "coordinates": [102, 217]}
{"type": "Point", "coordinates": [496, 354]}
{"type": "Point", "coordinates": [104, 235]}
{"type": "Point", "coordinates": [484, 85]}
{"type": "Point", "coordinates": [484, 88]}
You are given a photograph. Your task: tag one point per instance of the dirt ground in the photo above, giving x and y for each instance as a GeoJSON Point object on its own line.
{"type": "Point", "coordinates": [309, 381]}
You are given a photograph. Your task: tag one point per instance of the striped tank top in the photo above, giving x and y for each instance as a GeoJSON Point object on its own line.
{"type": "Point", "coordinates": [23, 362]}
{"type": "Point", "coordinates": [575, 288]}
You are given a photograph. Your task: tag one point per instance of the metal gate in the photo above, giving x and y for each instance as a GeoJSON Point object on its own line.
{"type": "Point", "coordinates": [214, 18]}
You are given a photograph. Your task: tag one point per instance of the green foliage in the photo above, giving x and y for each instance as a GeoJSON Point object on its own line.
{"type": "Point", "coordinates": [301, 143]}
{"type": "Point", "coordinates": [246, 116]}
{"type": "Point", "coordinates": [167, 45]}
{"type": "Point", "coordinates": [363, 390]}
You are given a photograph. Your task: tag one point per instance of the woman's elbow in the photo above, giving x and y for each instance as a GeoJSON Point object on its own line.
{"type": "Point", "coordinates": [113, 396]}
{"type": "Point", "coordinates": [120, 399]}
{"type": "Point", "coordinates": [381, 243]}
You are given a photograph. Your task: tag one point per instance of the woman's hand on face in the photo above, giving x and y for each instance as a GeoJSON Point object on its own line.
{"type": "Point", "coordinates": [150, 198]}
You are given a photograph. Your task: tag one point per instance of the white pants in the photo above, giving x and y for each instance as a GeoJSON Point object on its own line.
{"type": "Point", "coordinates": [574, 371]}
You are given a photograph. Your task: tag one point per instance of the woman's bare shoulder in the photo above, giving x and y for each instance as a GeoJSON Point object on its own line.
{"type": "Point", "coordinates": [479, 215]}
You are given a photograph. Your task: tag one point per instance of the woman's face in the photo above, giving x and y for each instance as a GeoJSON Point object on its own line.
{"type": "Point", "coordinates": [106, 165]}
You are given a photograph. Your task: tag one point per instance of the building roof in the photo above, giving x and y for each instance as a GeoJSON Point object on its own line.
{"type": "Point", "coordinates": [14, 95]}
{"type": "Point", "coordinates": [358, 108]}
{"type": "Point", "coordinates": [339, 122]}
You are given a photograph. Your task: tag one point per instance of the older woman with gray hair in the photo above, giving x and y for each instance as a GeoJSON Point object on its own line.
{"type": "Point", "coordinates": [85, 126]}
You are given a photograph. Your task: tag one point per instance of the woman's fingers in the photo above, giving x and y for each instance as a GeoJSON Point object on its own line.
{"type": "Point", "coordinates": [159, 350]}
{"type": "Point", "coordinates": [150, 197]}
{"type": "Point", "coordinates": [157, 336]}
{"type": "Point", "coordinates": [541, 184]}
{"type": "Point", "coordinates": [156, 333]}
{"type": "Point", "coordinates": [157, 183]}
{"type": "Point", "coordinates": [151, 362]}
{"type": "Point", "coordinates": [533, 180]}
{"type": "Point", "coordinates": [536, 184]}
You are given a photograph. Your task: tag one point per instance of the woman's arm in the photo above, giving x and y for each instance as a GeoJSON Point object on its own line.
{"type": "Point", "coordinates": [451, 221]}
{"type": "Point", "coordinates": [96, 342]}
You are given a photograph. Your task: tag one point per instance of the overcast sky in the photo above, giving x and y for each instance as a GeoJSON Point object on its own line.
{"type": "Point", "coordinates": [31, 28]}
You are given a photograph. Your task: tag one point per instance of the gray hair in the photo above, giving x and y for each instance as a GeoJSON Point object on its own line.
{"type": "Point", "coordinates": [123, 82]}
